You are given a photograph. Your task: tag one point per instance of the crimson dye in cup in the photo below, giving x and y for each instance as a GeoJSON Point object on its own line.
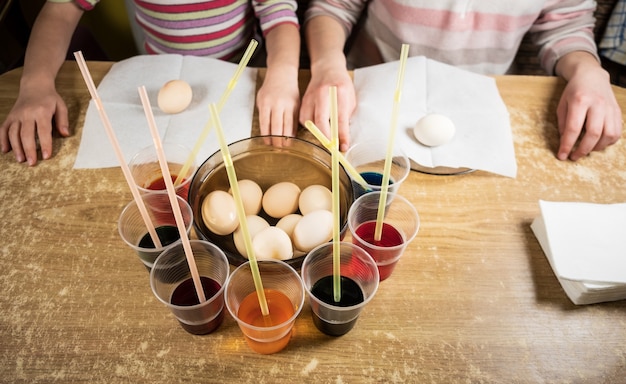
{"type": "Point", "coordinates": [386, 251]}
{"type": "Point", "coordinates": [172, 283]}
{"type": "Point", "coordinates": [185, 295]}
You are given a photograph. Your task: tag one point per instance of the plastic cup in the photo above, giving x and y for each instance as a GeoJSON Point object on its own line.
{"type": "Point", "coordinates": [146, 170]}
{"type": "Point", "coordinates": [134, 232]}
{"type": "Point", "coordinates": [359, 283]}
{"type": "Point", "coordinates": [400, 225]}
{"type": "Point", "coordinates": [171, 282]}
{"type": "Point", "coordinates": [284, 294]}
{"type": "Point", "coordinates": [368, 158]}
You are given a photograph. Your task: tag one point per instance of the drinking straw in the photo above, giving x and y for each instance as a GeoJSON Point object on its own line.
{"type": "Point", "coordinates": [207, 127]}
{"type": "Point", "coordinates": [327, 144]}
{"type": "Point", "coordinates": [335, 194]}
{"type": "Point", "coordinates": [169, 185]}
{"type": "Point", "coordinates": [390, 142]}
{"type": "Point", "coordinates": [241, 215]}
{"type": "Point", "coordinates": [82, 65]}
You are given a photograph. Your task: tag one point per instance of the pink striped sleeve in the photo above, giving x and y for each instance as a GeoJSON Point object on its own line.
{"type": "Point", "coordinates": [272, 13]}
{"type": "Point", "coordinates": [346, 12]}
{"type": "Point", "coordinates": [563, 27]}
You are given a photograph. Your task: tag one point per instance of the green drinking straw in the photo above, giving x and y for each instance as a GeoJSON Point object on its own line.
{"type": "Point", "coordinates": [378, 232]}
{"type": "Point", "coordinates": [335, 194]}
{"type": "Point", "coordinates": [241, 215]}
{"type": "Point", "coordinates": [207, 127]}
{"type": "Point", "coordinates": [327, 144]}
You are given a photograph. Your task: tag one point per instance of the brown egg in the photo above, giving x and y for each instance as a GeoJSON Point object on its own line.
{"type": "Point", "coordinates": [281, 199]}
{"type": "Point", "coordinates": [174, 96]}
{"type": "Point", "coordinates": [251, 196]}
{"type": "Point", "coordinates": [219, 212]}
{"type": "Point", "coordinates": [315, 197]}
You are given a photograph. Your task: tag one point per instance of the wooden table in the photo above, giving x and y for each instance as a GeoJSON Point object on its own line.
{"type": "Point", "coordinates": [473, 299]}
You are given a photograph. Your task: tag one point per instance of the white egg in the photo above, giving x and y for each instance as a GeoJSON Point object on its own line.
{"type": "Point", "coordinates": [174, 96]}
{"type": "Point", "coordinates": [315, 197]}
{"type": "Point", "coordinates": [434, 130]}
{"type": "Point", "coordinates": [219, 213]}
{"type": "Point", "coordinates": [281, 199]}
{"type": "Point", "coordinates": [313, 229]}
{"type": "Point", "coordinates": [272, 243]}
{"type": "Point", "coordinates": [251, 196]}
{"type": "Point", "coordinates": [255, 225]}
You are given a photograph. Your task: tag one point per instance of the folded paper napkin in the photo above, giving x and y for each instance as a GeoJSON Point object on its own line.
{"type": "Point", "coordinates": [118, 90]}
{"type": "Point", "coordinates": [585, 244]}
{"type": "Point", "coordinates": [483, 138]}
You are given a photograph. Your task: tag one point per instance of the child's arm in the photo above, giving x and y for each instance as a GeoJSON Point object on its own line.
{"type": "Point", "coordinates": [38, 100]}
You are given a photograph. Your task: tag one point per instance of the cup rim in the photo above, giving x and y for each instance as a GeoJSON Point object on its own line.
{"type": "Point", "coordinates": [398, 151]}
{"type": "Point", "coordinates": [132, 203]}
{"type": "Point", "coordinates": [209, 300]}
{"type": "Point", "coordinates": [336, 307]}
{"type": "Point", "coordinates": [166, 144]}
{"type": "Point", "coordinates": [393, 196]}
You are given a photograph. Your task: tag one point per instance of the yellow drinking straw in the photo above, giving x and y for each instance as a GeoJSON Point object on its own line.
{"type": "Point", "coordinates": [335, 194]}
{"type": "Point", "coordinates": [241, 215]}
{"type": "Point", "coordinates": [207, 127]}
{"type": "Point", "coordinates": [327, 144]}
{"type": "Point", "coordinates": [169, 186]}
{"type": "Point", "coordinates": [378, 232]}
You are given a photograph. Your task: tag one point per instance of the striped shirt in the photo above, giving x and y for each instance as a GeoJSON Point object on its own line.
{"type": "Point", "coordinates": [481, 36]}
{"type": "Point", "coordinates": [217, 28]}
{"type": "Point", "coordinates": [613, 43]}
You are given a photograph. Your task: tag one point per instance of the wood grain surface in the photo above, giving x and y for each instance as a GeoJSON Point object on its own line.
{"type": "Point", "coordinates": [473, 299]}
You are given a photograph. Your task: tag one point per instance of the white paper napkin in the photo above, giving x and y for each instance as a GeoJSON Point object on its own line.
{"type": "Point", "coordinates": [483, 137]}
{"type": "Point", "coordinates": [118, 91]}
{"type": "Point", "coordinates": [585, 245]}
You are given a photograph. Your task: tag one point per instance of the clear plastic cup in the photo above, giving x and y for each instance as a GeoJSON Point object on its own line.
{"type": "Point", "coordinates": [359, 283]}
{"type": "Point", "coordinates": [368, 158]}
{"type": "Point", "coordinates": [132, 228]}
{"type": "Point", "coordinates": [400, 225]}
{"type": "Point", "coordinates": [284, 295]}
{"type": "Point", "coordinates": [146, 169]}
{"type": "Point", "coordinates": [172, 283]}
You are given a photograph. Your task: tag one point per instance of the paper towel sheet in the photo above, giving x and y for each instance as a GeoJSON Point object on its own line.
{"type": "Point", "coordinates": [483, 137]}
{"type": "Point", "coordinates": [118, 90]}
{"type": "Point", "coordinates": [584, 242]}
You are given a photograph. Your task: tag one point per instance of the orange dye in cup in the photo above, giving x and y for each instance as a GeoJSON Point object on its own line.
{"type": "Point", "coordinates": [280, 311]}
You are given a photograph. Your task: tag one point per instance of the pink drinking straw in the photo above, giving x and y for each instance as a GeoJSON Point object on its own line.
{"type": "Point", "coordinates": [169, 185]}
{"type": "Point", "coordinates": [116, 146]}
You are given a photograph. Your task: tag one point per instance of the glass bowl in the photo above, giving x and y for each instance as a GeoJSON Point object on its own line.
{"type": "Point", "coordinates": [267, 160]}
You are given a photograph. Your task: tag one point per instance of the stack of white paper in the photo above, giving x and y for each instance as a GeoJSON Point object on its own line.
{"type": "Point", "coordinates": [586, 246]}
